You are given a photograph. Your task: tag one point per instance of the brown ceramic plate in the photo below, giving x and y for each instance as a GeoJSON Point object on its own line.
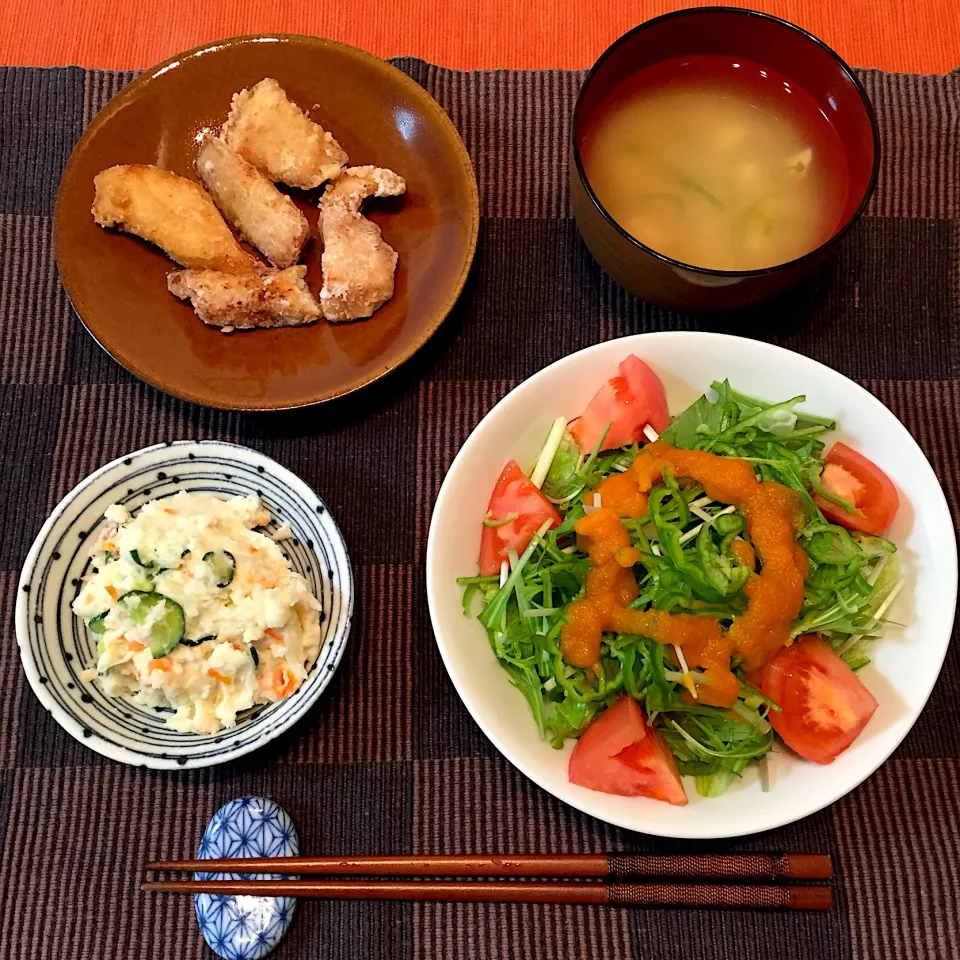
{"type": "Point", "coordinates": [117, 283]}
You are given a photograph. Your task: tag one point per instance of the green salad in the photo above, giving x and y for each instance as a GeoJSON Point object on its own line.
{"type": "Point", "coordinates": [689, 564]}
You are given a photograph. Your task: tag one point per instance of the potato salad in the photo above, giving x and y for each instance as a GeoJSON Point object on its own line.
{"type": "Point", "coordinates": [196, 612]}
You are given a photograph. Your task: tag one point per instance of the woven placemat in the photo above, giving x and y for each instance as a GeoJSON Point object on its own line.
{"type": "Point", "coordinates": [390, 762]}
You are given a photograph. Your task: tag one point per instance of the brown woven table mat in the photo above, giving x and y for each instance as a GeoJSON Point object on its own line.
{"type": "Point", "coordinates": [390, 762]}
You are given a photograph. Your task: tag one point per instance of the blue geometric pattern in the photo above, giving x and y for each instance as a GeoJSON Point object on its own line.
{"type": "Point", "coordinates": [246, 928]}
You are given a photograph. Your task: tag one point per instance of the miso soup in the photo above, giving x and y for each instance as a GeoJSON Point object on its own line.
{"type": "Point", "coordinates": [718, 163]}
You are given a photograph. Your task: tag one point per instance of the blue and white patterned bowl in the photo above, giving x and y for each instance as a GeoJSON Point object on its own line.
{"type": "Point", "coordinates": [55, 646]}
{"type": "Point", "coordinates": [245, 927]}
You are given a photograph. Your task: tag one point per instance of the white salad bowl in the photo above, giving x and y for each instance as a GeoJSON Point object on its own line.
{"type": "Point", "coordinates": [905, 661]}
{"type": "Point", "coordinates": [55, 646]}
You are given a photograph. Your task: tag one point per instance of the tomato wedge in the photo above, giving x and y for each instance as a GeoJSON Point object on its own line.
{"type": "Point", "coordinates": [621, 753]}
{"type": "Point", "coordinates": [628, 403]}
{"type": "Point", "coordinates": [852, 476]}
{"type": "Point", "coordinates": [825, 705]}
{"type": "Point", "coordinates": [521, 509]}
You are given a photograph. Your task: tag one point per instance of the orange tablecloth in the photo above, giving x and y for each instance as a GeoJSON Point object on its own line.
{"type": "Point", "coordinates": [919, 36]}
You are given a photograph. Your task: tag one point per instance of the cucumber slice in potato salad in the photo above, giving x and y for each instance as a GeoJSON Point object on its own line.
{"type": "Point", "coordinates": [223, 565]}
{"type": "Point", "coordinates": [165, 617]}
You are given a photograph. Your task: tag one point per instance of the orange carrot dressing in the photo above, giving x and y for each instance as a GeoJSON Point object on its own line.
{"type": "Point", "coordinates": [745, 553]}
{"type": "Point", "coordinates": [622, 493]}
{"type": "Point", "coordinates": [774, 595]}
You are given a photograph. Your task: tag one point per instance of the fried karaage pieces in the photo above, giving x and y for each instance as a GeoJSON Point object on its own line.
{"type": "Point", "coordinates": [170, 211]}
{"type": "Point", "coordinates": [274, 298]}
{"type": "Point", "coordinates": [358, 264]}
{"type": "Point", "coordinates": [270, 131]}
{"type": "Point", "coordinates": [252, 204]}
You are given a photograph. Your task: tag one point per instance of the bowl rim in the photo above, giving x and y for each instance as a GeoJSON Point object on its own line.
{"type": "Point", "coordinates": [811, 255]}
{"type": "Point", "coordinates": [118, 752]}
{"type": "Point", "coordinates": [132, 89]}
{"type": "Point", "coordinates": [531, 771]}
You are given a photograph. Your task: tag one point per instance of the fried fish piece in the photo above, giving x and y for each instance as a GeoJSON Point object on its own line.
{"type": "Point", "coordinates": [270, 298]}
{"type": "Point", "coordinates": [358, 264]}
{"type": "Point", "coordinates": [171, 211]}
{"type": "Point", "coordinates": [367, 181]}
{"type": "Point", "coordinates": [252, 204]}
{"type": "Point", "coordinates": [270, 131]}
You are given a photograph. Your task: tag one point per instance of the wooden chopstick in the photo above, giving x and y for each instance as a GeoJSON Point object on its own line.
{"type": "Point", "coordinates": [710, 896]}
{"type": "Point", "coordinates": [613, 866]}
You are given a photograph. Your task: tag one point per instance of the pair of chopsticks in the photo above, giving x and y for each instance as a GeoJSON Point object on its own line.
{"type": "Point", "coordinates": [744, 880]}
